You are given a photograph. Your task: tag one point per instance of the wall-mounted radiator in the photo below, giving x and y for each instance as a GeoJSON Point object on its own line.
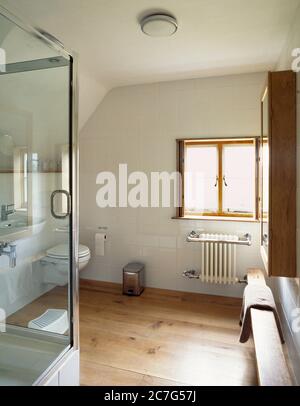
{"type": "Point", "coordinates": [218, 257]}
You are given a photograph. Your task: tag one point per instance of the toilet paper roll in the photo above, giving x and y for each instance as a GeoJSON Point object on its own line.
{"type": "Point", "coordinates": [100, 239]}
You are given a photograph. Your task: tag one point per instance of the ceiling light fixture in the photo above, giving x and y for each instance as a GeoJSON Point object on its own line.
{"type": "Point", "coordinates": [159, 25]}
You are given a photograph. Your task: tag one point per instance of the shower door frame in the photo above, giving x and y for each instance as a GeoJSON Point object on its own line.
{"type": "Point", "coordinates": [74, 189]}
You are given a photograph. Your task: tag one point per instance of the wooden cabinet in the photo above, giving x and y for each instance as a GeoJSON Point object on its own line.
{"type": "Point", "coordinates": [278, 150]}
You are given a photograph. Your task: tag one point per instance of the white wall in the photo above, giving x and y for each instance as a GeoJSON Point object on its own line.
{"type": "Point", "coordinates": [7, 188]}
{"type": "Point", "coordinates": [22, 46]}
{"type": "Point", "coordinates": [138, 125]}
{"type": "Point", "coordinates": [91, 93]}
{"type": "Point", "coordinates": [288, 290]}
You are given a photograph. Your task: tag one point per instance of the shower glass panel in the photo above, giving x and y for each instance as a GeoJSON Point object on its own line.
{"type": "Point", "coordinates": [36, 205]}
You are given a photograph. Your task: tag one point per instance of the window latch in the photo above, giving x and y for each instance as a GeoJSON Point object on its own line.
{"type": "Point", "coordinates": [224, 180]}
{"type": "Point", "coordinates": [217, 181]}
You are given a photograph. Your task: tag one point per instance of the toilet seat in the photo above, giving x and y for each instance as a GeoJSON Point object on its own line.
{"type": "Point", "coordinates": [55, 260]}
{"type": "Point", "coordinates": [62, 252]}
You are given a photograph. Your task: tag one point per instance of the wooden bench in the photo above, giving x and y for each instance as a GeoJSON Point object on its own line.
{"type": "Point", "coordinates": [272, 367]}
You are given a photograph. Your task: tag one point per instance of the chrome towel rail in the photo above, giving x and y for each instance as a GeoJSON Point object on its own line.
{"type": "Point", "coordinates": [215, 238]}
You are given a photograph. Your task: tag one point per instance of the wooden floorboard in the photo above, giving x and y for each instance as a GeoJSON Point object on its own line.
{"type": "Point", "coordinates": [55, 299]}
{"type": "Point", "coordinates": [161, 338]}
{"type": "Point", "coordinates": [93, 375]}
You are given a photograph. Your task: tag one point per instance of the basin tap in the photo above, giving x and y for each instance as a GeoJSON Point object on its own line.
{"type": "Point", "coordinates": [10, 250]}
{"type": "Point", "coordinates": [6, 211]}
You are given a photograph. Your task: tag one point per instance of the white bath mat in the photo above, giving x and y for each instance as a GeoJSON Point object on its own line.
{"type": "Point", "coordinates": [53, 321]}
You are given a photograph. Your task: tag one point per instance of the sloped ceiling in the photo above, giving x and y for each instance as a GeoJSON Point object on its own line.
{"type": "Point", "coordinates": [215, 37]}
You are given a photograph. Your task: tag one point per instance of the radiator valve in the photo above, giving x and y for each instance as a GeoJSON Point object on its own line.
{"type": "Point", "coordinates": [192, 274]}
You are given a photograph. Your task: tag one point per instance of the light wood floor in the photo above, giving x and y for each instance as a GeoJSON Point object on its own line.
{"type": "Point", "coordinates": [160, 338]}
{"type": "Point", "coordinates": [55, 299]}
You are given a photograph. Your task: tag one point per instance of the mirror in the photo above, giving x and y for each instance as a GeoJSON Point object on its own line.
{"type": "Point", "coordinates": [14, 127]}
{"type": "Point", "coordinates": [265, 173]}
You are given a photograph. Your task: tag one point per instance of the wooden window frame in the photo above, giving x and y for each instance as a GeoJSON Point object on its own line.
{"type": "Point", "coordinates": [219, 143]}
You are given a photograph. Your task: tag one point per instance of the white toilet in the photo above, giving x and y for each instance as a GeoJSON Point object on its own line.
{"type": "Point", "coordinates": [56, 263]}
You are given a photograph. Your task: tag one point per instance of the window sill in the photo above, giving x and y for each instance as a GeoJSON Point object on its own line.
{"type": "Point", "coordinates": [216, 218]}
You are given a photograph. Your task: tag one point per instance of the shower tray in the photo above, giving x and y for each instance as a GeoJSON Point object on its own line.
{"type": "Point", "coordinates": [25, 356]}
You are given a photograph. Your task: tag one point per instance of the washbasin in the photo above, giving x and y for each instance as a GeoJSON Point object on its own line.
{"type": "Point", "coordinates": [20, 224]}
{"type": "Point", "coordinates": [13, 224]}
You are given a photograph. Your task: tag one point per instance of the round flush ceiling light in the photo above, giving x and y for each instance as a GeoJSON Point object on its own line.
{"type": "Point", "coordinates": [159, 25]}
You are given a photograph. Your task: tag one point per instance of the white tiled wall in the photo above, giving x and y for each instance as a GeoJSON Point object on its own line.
{"type": "Point", "coordinates": [6, 187]}
{"type": "Point", "coordinates": [138, 125]}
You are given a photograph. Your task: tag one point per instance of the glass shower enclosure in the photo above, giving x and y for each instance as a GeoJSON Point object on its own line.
{"type": "Point", "coordinates": [38, 238]}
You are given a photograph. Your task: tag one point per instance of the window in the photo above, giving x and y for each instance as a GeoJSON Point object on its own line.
{"type": "Point", "coordinates": [219, 178]}
{"type": "Point", "coordinates": [25, 180]}
{"type": "Point", "coordinates": [65, 176]}
{"type": "Point", "coordinates": [21, 178]}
